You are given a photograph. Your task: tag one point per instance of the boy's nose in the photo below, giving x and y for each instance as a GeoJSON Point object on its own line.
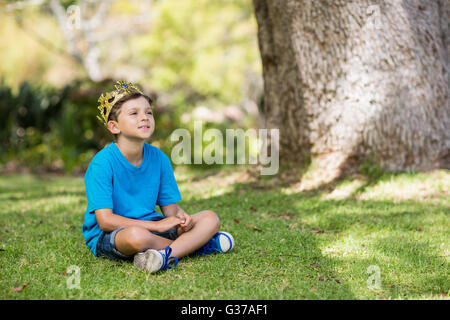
{"type": "Point", "coordinates": [145, 118]}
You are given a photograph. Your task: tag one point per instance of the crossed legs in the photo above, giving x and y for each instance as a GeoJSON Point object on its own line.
{"type": "Point", "coordinates": [137, 239]}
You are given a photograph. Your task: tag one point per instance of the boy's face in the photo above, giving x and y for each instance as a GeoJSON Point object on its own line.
{"type": "Point", "coordinates": [135, 120]}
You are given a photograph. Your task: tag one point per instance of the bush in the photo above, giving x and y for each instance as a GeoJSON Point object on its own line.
{"type": "Point", "coordinates": [45, 128]}
{"type": "Point", "coordinates": [40, 127]}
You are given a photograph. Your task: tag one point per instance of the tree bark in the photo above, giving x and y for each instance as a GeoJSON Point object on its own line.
{"type": "Point", "coordinates": [357, 80]}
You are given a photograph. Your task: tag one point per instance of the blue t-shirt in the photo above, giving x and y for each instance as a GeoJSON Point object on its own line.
{"type": "Point", "coordinates": [133, 192]}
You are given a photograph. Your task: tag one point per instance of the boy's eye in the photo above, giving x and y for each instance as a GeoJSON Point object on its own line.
{"type": "Point", "coordinates": [147, 112]}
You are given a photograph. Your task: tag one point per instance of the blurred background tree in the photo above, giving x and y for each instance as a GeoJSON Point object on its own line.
{"type": "Point", "coordinates": [346, 82]}
{"type": "Point", "coordinates": [353, 81]}
{"type": "Point", "coordinates": [197, 59]}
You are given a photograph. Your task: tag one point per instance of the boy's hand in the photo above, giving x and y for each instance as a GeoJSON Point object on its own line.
{"type": "Point", "coordinates": [168, 223]}
{"type": "Point", "coordinates": [186, 220]}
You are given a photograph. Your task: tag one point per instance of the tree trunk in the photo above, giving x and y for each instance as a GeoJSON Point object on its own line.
{"type": "Point", "coordinates": [357, 80]}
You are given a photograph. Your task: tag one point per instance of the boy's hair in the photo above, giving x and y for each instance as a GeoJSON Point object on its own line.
{"type": "Point", "coordinates": [115, 111]}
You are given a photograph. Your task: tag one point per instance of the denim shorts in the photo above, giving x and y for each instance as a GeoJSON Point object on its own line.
{"type": "Point", "coordinates": [106, 246]}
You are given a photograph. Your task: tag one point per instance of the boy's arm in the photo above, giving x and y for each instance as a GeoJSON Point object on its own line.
{"type": "Point", "coordinates": [171, 210]}
{"type": "Point", "coordinates": [108, 221]}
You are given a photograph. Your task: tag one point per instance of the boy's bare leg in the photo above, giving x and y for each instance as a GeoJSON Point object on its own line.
{"type": "Point", "coordinates": [136, 239]}
{"type": "Point", "coordinates": [205, 225]}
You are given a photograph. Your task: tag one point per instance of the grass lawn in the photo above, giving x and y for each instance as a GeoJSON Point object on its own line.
{"type": "Point", "coordinates": [359, 238]}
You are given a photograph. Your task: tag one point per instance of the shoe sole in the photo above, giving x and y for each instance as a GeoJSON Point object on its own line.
{"type": "Point", "coordinates": [230, 239]}
{"type": "Point", "coordinates": [150, 260]}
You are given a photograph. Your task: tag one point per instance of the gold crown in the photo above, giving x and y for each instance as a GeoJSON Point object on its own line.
{"type": "Point", "coordinates": [108, 100]}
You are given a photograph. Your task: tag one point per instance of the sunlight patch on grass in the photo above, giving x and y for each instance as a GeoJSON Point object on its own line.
{"type": "Point", "coordinates": [431, 187]}
{"type": "Point", "coordinates": [419, 186]}
{"type": "Point", "coordinates": [347, 246]}
{"type": "Point", "coordinates": [213, 183]}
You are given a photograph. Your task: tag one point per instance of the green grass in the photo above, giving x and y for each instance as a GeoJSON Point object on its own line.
{"type": "Point", "coordinates": [290, 244]}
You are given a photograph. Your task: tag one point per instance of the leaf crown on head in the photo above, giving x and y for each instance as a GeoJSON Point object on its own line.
{"type": "Point", "coordinates": [109, 99]}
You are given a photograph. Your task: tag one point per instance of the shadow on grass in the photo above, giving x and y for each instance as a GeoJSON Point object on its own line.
{"type": "Point", "coordinates": [276, 255]}
{"type": "Point", "coordinates": [427, 274]}
{"type": "Point", "coordinates": [296, 228]}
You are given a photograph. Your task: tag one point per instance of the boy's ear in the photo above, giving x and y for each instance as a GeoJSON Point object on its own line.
{"type": "Point", "coordinates": [113, 128]}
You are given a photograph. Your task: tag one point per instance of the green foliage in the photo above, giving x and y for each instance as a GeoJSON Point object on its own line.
{"type": "Point", "coordinates": [42, 127]}
{"type": "Point", "coordinates": [196, 52]}
{"type": "Point", "coordinates": [201, 48]}
{"type": "Point", "coordinates": [208, 145]}
{"type": "Point", "coordinates": [28, 118]}
{"type": "Point", "coordinates": [45, 127]}
{"type": "Point", "coordinates": [25, 55]}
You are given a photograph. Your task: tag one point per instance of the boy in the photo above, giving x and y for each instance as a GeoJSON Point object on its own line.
{"type": "Point", "coordinates": [126, 180]}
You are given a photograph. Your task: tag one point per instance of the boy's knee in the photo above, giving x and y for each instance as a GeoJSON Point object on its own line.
{"type": "Point", "coordinates": [215, 221]}
{"type": "Point", "coordinates": [136, 237]}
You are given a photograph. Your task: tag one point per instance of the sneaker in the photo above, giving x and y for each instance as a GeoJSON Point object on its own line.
{"type": "Point", "coordinates": [154, 260]}
{"type": "Point", "coordinates": [221, 242]}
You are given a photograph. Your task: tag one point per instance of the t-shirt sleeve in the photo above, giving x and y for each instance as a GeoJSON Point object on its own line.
{"type": "Point", "coordinates": [168, 188]}
{"type": "Point", "coordinates": [98, 181]}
